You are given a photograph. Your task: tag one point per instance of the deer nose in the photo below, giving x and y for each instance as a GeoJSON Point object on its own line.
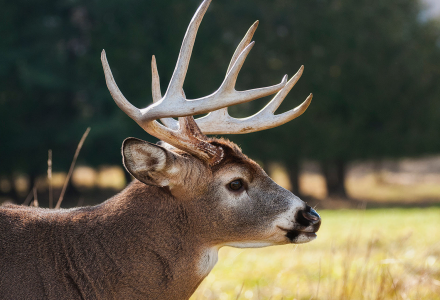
{"type": "Point", "coordinates": [308, 217]}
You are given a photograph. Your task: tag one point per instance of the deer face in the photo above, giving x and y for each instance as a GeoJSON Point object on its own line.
{"type": "Point", "coordinates": [233, 203]}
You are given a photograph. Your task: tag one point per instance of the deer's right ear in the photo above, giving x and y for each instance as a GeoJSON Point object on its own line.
{"type": "Point", "coordinates": [148, 162]}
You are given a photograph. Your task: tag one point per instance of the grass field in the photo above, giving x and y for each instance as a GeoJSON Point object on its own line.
{"type": "Point", "coordinates": [372, 254]}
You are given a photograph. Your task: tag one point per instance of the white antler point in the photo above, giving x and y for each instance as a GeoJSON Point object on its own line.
{"type": "Point", "coordinates": [103, 56]}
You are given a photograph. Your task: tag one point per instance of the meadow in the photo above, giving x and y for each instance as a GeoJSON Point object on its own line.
{"type": "Point", "coordinates": [359, 254]}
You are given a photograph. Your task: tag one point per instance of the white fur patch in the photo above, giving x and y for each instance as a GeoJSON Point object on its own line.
{"type": "Point", "coordinates": [207, 261]}
{"type": "Point", "coordinates": [230, 199]}
{"type": "Point", "coordinates": [301, 239]}
{"type": "Point", "coordinates": [249, 244]}
{"type": "Point", "coordinates": [287, 220]}
{"type": "Point", "coordinates": [174, 170]}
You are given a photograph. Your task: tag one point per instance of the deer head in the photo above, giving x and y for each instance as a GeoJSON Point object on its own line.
{"type": "Point", "coordinates": [228, 199]}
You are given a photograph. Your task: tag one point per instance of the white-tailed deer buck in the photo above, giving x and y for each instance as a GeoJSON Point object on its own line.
{"type": "Point", "coordinates": [159, 237]}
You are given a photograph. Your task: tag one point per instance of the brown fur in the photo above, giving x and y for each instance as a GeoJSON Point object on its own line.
{"type": "Point", "coordinates": [133, 246]}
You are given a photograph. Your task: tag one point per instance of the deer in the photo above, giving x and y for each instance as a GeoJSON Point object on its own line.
{"type": "Point", "coordinates": [190, 196]}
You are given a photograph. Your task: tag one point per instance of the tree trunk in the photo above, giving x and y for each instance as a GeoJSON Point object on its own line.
{"type": "Point", "coordinates": [334, 173]}
{"type": "Point", "coordinates": [293, 170]}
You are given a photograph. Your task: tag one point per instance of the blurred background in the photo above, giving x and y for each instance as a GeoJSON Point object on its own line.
{"type": "Point", "coordinates": [370, 139]}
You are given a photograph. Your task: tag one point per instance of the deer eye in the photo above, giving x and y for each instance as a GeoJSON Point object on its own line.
{"type": "Point", "coordinates": [236, 185]}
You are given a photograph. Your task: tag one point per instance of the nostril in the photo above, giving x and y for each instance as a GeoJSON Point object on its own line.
{"type": "Point", "coordinates": [308, 217]}
{"type": "Point", "coordinates": [311, 216]}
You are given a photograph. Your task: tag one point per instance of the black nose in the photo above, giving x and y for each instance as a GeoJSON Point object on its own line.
{"type": "Point", "coordinates": [308, 217]}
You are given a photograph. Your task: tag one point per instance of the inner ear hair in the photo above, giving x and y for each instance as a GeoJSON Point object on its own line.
{"type": "Point", "coordinates": [147, 162]}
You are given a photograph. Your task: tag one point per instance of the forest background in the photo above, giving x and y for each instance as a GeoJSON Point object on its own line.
{"type": "Point", "coordinates": [373, 67]}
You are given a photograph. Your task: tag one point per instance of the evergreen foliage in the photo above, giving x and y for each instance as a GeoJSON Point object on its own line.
{"type": "Point", "coordinates": [372, 65]}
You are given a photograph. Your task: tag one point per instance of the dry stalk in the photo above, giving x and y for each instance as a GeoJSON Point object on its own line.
{"type": "Point", "coordinates": [35, 202]}
{"type": "Point", "coordinates": [29, 197]}
{"type": "Point", "coordinates": [49, 178]}
{"type": "Point", "coordinates": [72, 166]}
{"type": "Point", "coordinates": [239, 293]}
{"type": "Point", "coordinates": [319, 280]}
{"type": "Point", "coordinates": [80, 202]}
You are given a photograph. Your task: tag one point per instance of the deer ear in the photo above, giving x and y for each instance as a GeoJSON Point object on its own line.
{"type": "Point", "coordinates": [148, 162]}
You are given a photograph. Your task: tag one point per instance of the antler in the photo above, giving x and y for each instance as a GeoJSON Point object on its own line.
{"type": "Point", "coordinates": [185, 134]}
{"type": "Point", "coordinates": [220, 122]}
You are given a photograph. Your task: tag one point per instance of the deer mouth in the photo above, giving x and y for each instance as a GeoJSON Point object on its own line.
{"type": "Point", "coordinates": [298, 236]}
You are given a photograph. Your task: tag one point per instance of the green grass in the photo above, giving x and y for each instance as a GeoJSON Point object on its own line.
{"type": "Point", "coordinates": [373, 254]}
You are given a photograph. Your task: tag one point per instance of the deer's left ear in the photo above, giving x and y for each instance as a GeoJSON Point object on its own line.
{"type": "Point", "coordinates": [150, 163]}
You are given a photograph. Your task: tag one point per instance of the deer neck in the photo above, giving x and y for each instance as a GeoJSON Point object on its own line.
{"type": "Point", "coordinates": [153, 241]}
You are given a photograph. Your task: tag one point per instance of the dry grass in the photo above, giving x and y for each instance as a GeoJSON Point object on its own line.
{"type": "Point", "coordinates": [373, 187]}
{"type": "Point", "coordinates": [374, 254]}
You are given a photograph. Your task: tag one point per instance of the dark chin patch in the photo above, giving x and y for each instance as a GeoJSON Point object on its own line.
{"type": "Point", "coordinates": [292, 235]}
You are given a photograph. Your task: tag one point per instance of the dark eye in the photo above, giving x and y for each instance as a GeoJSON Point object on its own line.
{"type": "Point", "coordinates": [235, 185]}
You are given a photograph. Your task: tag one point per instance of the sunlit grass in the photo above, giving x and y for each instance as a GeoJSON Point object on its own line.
{"type": "Point", "coordinates": [373, 254]}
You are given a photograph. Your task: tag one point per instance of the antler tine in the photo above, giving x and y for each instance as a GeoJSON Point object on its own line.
{"type": "Point", "coordinates": [240, 55]}
{"type": "Point", "coordinates": [243, 44]}
{"type": "Point", "coordinates": [157, 94]}
{"type": "Point", "coordinates": [155, 81]}
{"type": "Point", "coordinates": [220, 122]}
{"type": "Point", "coordinates": [240, 48]}
{"type": "Point", "coordinates": [273, 105]}
{"type": "Point", "coordinates": [249, 95]}
{"type": "Point", "coordinates": [131, 110]}
{"type": "Point", "coordinates": [179, 74]}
